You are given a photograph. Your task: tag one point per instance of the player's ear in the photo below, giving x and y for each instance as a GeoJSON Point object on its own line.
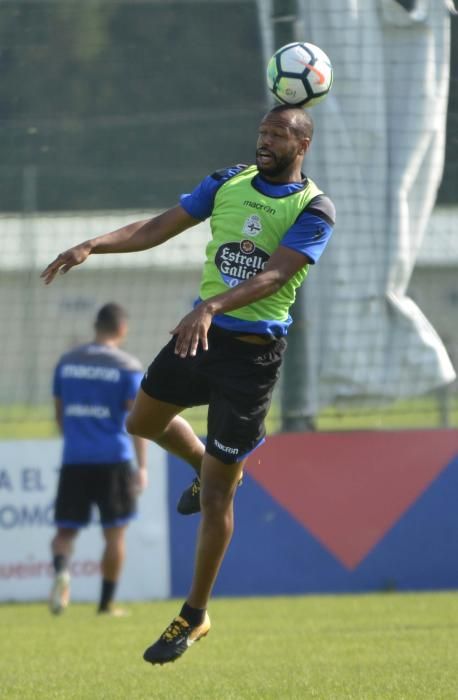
{"type": "Point", "coordinates": [305, 144]}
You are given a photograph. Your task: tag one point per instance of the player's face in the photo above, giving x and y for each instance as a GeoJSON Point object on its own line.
{"type": "Point", "coordinates": [279, 151]}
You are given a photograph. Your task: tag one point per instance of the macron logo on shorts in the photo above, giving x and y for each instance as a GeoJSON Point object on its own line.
{"type": "Point", "coordinates": [225, 448]}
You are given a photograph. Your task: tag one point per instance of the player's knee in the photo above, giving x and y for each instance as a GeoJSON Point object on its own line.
{"type": "Point", "coordinates": [141, 426]}
{"type": "Point", "coordinates": [136, 426]}
{"type": "Point", "coordinates": [63, 536]}
{"type": "Point", "coordinates": [216, 500]}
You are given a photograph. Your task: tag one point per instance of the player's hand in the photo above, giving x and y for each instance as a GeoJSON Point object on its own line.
{"type": "Point", "coordinates": [66, 260]}
{"type": "Point", "coordinates": [192, 330]}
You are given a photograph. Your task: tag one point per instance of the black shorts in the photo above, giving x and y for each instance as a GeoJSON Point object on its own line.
{"type": "Point", "coordinates": [235, 378]}
{"type": "Point", "coordinates": [109, 486]}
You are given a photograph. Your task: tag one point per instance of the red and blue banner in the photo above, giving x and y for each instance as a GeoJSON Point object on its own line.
{"type": "Point", "coordinates": [337, 512]}
{"type": "Point", "coordinates": [317, 513]}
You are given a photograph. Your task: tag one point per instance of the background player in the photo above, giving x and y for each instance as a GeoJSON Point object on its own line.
{"type": "Point", "coordinates": [94, 387]}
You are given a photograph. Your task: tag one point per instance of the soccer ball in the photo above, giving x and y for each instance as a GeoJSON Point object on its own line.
{"type": "Point", "coordinates": [299, 74]}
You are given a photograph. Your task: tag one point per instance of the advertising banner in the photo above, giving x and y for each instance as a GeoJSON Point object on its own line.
{"type": "Point", "coordinates": [28, 479]}
{"type": "Point", "coordinates": [334, 513]}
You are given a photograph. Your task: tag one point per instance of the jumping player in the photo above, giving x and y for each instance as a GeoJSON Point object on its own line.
{"type": "Point", "coordinates": [269, 223]}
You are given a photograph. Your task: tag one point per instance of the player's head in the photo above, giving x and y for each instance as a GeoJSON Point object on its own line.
{"type": "Point", "coordinates": [285, 134]}
{"type": "Point", "coordinates": [300, 120]}
{"type": "Point", "coordinates": [111, 322]}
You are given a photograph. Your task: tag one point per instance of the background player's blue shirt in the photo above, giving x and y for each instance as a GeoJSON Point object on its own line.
{"type": "Point", "coordinates": [308, 235]}
{"type": "Point", "coordinates": [94, 383]}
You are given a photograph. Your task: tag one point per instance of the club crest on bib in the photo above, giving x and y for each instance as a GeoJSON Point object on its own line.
{"type": "Point", "coordinates": [252, 225]}
{"type": "Point", "coordinates": [238, 261]}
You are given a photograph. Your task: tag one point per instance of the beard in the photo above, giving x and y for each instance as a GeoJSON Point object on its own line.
{"type": "Point", "coordinates": [277, 164]}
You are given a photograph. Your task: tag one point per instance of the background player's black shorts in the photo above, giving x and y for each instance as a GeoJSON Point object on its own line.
{"type": "Point", "coordinates": [236, 380]}
{"type": "Point", "coordinates": [108, 486]}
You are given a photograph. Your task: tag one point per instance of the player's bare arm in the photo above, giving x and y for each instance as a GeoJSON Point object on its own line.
{"type": "Point", "coordinates": [134, 237]}
{"type": "Point", "coordinates": [193, 328]}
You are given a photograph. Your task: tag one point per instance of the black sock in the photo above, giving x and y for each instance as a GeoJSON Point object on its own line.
{"type": "Point", "coordinates": [195, 616]}
{"type": "Point", "coordinates": [59, 562]}
{"type": "Point", "coordinates": [107, 594]}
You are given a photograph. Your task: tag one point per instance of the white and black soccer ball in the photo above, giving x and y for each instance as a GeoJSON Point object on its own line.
{"type": "Point", "coordinates": [299, 74]}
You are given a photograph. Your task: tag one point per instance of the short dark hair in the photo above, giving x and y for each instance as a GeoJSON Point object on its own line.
{"type": "Point", "coordinates": [303, 127]}
{"type": "Point", "coordinates": [110, 318]}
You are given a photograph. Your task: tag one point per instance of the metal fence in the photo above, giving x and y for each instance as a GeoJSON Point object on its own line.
{"type": "Point", "coordinates": [110, 110]}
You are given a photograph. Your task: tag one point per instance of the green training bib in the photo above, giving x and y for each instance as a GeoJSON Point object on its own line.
{"type": "Point", "coordinates": [247, 227]}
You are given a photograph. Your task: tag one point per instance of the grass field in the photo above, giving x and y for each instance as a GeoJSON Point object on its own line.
{"type": "Point", "coordinates": [28, 422]}
{"type": "Point", "coordinates": [369, 647]}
